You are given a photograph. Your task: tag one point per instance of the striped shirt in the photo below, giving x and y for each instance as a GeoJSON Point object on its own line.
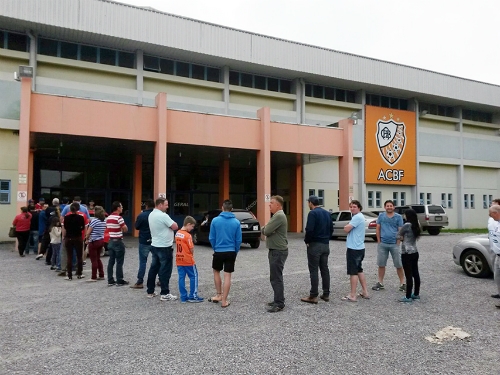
{"type": "Point", "coordinates": [98, 227]}
{"type": "Point", "coordinates": [114, 223]}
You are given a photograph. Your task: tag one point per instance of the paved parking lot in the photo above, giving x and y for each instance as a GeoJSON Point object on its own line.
{"type": "Point", "coordinates": [52, 326]}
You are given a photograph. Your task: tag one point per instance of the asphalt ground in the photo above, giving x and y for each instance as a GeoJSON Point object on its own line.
{"type": "Point", "coordinates": [52, 326]}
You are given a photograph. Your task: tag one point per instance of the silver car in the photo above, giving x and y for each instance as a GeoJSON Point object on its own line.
{"type": "Point", "coordinates": [342, 218]}
{"type": "Point", "coordinates": [474, 255]}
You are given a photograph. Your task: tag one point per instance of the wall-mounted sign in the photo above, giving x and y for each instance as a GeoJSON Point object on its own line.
{"type": "Point", "coordinates": [390, 146]}
{"type": "Point", "coordinates": [267, 198]}
{"type": "Point", "coordinates": [22, 196]}
{"type": "Point", "coordinates": [162, 195]}
{"type": "Point", "coordinates": [23, 178]}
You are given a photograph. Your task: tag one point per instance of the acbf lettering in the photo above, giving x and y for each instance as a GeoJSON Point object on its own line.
{"type": "Point", "coordinates": [391, 175]}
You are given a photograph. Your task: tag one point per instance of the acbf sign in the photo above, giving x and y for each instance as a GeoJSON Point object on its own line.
{"type": "Point", "coordinates": [390, 147]}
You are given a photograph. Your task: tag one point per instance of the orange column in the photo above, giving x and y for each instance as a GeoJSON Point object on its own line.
{"type": "Point", "coordinates": [136, 206]}
{"type": "Point", "coordinates": [346, 166]}
{"type": "Point", "coordinates": [264, 166]}
{"type": "Point", "coordinates": [224, 178]}
{"type": "Point", "coordinates": [24, 179]}
{"type": "Point", "coordinates": [296, 203]}
{"type": "Point", "coordinates": [160, 172]}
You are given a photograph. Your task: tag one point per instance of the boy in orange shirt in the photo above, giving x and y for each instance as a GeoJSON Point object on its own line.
{"type": "Point", "coordinates": [185, 262]}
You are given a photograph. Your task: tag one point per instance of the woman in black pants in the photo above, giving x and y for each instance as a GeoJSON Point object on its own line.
{"type": "Point", "coordinates": [409, 234]}
{"type": "Point", "coordinates": [22, 223]}
{"type": "Point", "coordinates": [74, 224]}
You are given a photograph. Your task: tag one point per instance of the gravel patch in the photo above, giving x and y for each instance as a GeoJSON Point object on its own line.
{"type": "Point", "coordinates": [52, 326]}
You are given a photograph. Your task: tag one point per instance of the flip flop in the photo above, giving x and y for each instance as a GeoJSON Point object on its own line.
{"type": "Point", "coordinates": [348, 299]}
{"type": "Point", "coordinates": [213, 299]}
{"type": "Point", "coordinates": [363, 296]}
{"type": "Point", "coordinates": [228, 303]}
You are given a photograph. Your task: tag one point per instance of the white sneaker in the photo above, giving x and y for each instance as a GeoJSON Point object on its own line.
{"type": "Point", "coordinates": [168, 297]}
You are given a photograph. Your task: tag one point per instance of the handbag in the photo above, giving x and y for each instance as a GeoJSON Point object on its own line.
{"type": "Point", "coordinates": [12, 232]}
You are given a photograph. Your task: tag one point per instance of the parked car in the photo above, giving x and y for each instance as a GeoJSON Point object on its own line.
{"type": "Point", "coordinates": [250, 227]}
{"type": "Point", "coordinates": [432, 218]}
{"type": "Point", "coordinates": [474, 255]}
{"type": "Point", "coordinates": [342, 218]}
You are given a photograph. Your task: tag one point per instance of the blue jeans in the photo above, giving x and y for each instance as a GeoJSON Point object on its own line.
{"type": "Point", "coordinates": [143, 259]}
{"type": "Point", "coordinates": [116, 250]}
{"type": "Point", "coordinates": [161, 265]}
{"type": "Point", "coordinates": [192, 273]}
{"type": "Point", "coordinates": [33, 239]}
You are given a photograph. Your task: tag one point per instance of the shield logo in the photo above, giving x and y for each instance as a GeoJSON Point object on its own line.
{"type": "Point", "coordinates": [391, 140]}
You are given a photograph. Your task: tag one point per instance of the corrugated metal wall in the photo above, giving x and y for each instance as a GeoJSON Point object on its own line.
{"type": "Point", "coordinates": [162, 30]}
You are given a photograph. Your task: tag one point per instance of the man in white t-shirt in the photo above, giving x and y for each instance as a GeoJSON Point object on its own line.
{"type": "Point", "coordinates": [494, 237]}
{"type": "Point", "coordinates": [162, 238]}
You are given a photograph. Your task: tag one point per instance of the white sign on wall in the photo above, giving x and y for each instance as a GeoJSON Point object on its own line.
{"type": "Point", "coordinates": [162, 195]}
{"type": "Point", "coordinates": [22, 196]}
{"type": "Point", "coordinates": [23, 178]}
{"type": "Point", "coordinates": [267, 198]}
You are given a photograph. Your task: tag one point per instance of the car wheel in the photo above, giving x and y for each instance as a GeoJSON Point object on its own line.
{"type": "Point", "coordinates": [333, 237]}
{"type": "Point", "coordinates": [433, 231]}
{"type": "Point", "coordinates": [255, 244]}
{"type": "Point", "coordinates": [474, 264]}
{"type": "Point", "coordinates": [195, 238]}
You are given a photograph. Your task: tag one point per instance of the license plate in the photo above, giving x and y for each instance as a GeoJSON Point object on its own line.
{"type": "Point", "coordinates": [255, 227]}
{"type": "Point", "coordinates": [244, 226]}
{"type": "Point", "coordinates": [438, 218]}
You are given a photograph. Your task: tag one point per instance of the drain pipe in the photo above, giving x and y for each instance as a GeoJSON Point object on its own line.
{"type": "Point", "coordinates": [32, 61]}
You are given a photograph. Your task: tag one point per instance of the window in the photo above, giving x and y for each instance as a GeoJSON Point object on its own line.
{"type": "Point", "coordinates": [321, 196]}
{"type": "Point", "coordinates": [421, 198]}
{"type": "Point", "coordinates": [17, 42]}
{"type": "Point", "coordinates": [48, 47]}
{"type": "Point", "coordinates": [198, 72]}
{"type": "Point", "coordinates": [429, 198]}
{"type": "Point", "coordinates": [395, 197]}
{"type": "Point", "coordinates": [378, 199]}
{"type": "Point", "coordinates": [273, 84]}
{"type": "Point", "coordinates": [466, 200]}
{"type": "Point", "coordinates": [166, 66]}
{"type": "Point", "coordinates": [490, 200]}
{"type": "Point", "coordinates": [370, 199]}
{"type": "Point", "coordinates": [387, 102]}
{"type": "Point", "coordinates": [485, 201]}
{"type": "Point", "coordinates": [472, 203]}
{"type": "Point", "coordinates": [260, 82]}
{"type": "Point", "coordinates": [403, 198]}
{"type": "Point", "coordinates": [234, 78]}
{"type": "Point", "coordinates": [450, 200]}
{"type": "Point", "coordinates": [468, 114]}
{"type": "Point", "coordinates": [88, 53]}
{"type": "Point", "coordinates": [4, 191]}
{"type": "Point", "coordinates": [312, 192]}
{"type": "Point", "coordinates": [330, 93]}
{"type": "Point", "coordinates": [126, 59]}
{"type": "Point", "coordinates": [443, 200]}
{"type": "Point", "coordinates": [69, 51]}
{"type": "Point", "coordinates": [107, 56]}
{"type": "Point", "coordinates": [2, 37]}
{"type": "Point", "coordinates": [439, 110]}
{"type": "Point", "coordinates": [151, 63]}
{"type": "Point", "coordinates": [182, 69]}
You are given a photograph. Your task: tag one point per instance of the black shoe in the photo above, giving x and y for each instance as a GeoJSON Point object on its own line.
{"type": "Point", "coordinates": [324, 297]}
{"type": "Point", "coordinates": [122, 283]}
{"type": "Point", "coordinates": [111, 283]}
{"type": "Point", "coordinates": [53, 268]}
{"type": "Point", "coordinates": [495, 296]}
{"type": "Point", "coordinates": [275, 308]}
{"type": "Point", "coordinates": [270, 304]}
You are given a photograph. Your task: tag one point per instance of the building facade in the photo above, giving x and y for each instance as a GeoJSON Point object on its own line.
{"type": "Point", "coordinates": [201, 112]}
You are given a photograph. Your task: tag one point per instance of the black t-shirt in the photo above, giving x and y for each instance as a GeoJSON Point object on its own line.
{"type": "Point", "coordinates": [74, 224]}
{"type": "Point", "coordinates": [34, 220]}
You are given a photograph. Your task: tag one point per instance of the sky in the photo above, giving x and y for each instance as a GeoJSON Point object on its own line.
{"type": "Point", "coordinates": [455, 37]}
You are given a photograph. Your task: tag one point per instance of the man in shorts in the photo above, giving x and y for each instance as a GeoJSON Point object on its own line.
{"type": "Point", "coordinates": [225, 238]}
{"type": "Point", "coordinates": [388, 225]}
{"type": "Point", "coordinates": [355, 252]}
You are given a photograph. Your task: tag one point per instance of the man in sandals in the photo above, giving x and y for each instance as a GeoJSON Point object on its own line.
{"type": "Point", "coordinates": [355, 252]}
{"type": "Point", "coordinates": [277, 243]}
{"type": "Point", "coordinates": [225, 238]}
{"type": "Point", "coordinates": [388, 225]}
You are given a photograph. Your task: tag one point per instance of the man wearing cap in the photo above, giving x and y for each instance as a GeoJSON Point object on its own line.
{"type": "Point", "coordinates": [39, 205]}
{"type": "Point", "coordinates": [319, 230]}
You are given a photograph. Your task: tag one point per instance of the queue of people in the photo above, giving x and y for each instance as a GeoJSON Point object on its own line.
{"type": "Point", "coordinates": [70, 228]}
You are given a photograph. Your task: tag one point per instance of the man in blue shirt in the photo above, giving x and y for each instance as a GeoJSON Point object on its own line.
{"type": "Point", "coordinates": [319, 229]}
{"type": "Point", "coordinates": [355, 252]}
{"type": "Point", "coordinates": [142, 225]}
{"type": "Point", "coordinates": [225, 238]}
{"type": "Point", "coordinates": [388, 225]}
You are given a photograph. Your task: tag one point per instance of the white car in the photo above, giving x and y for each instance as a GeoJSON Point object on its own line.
{"type": "Point", "coordinates": [474, 255]}
{"type": "Point", "coordinates": [342, 218]}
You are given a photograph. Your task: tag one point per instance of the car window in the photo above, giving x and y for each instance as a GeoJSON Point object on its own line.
{"type": "Point", "coordinates": [370, 214]}
{"type": "Point", "coordinates": [419, 209]}
{"type": "Point", "coordinates": [335, 215]}
{"type": "Point", "coordinates": [243, 215]}
{"type": "Point", "coordinates": [345, 216]}
{"type": "Point", "coordinates": [435, 210]}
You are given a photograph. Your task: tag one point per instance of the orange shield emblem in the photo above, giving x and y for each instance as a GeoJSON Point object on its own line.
{"type": "Point", "coordinates": [391, 140]}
